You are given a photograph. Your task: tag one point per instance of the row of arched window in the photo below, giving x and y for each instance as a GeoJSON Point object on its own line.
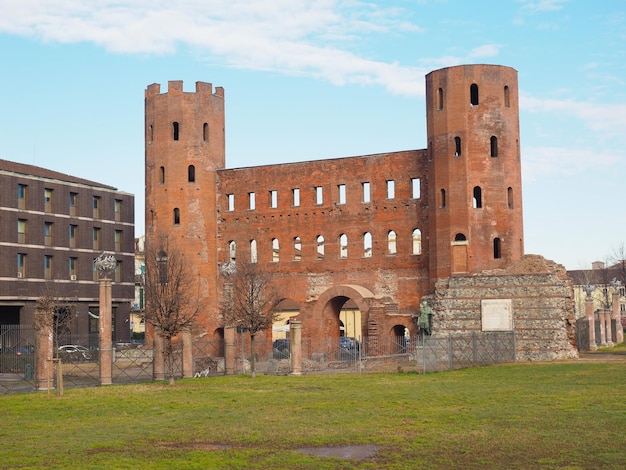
{"type": "Point", "coordinates": [320, 252]}
{"type": "Point", "coordinates": [474, 98]}
{"type": "Point", "coordinates": [497, 244]}
{"type": "Point", "coordinates": [176, 128]}
{"type": "Point", "coordinates": [493, 146]}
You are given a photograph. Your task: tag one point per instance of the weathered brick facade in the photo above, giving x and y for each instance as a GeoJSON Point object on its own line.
{"type": "Point", "coordinates": [378, 230]}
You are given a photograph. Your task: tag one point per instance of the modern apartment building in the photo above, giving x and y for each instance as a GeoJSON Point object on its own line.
{"type": "Point", "coordinates": [52, 227]}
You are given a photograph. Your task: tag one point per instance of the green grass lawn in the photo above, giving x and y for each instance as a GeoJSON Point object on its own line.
{"type": "Point", "coordinates": [551, 415]}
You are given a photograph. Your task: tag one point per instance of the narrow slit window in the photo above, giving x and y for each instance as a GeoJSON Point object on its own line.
{"type": "Point", "coordinates": [205, 132]}
{"type": "Point", "coordinates": [232, 251]}
{"type": "Point", "coordinates": [231, 202]}
{"type": "Point", "coordinates": [320, 247]}
{"type": "Point", "coordinates": [162, 175]}
{"type": "Point", "coordinates": [509, 197]}
{"type": "Point", "coordinates": [175, 130]}
{"type": "Point", "coordinates": [474, 94]}
{"type": "Point", "coordinates": [343, 245]}
{"type": "Point", "coordinates": [457, 146]}
{"type": "Point", "coordinates": [493, 142]}
{"type": "Point", "coordinates": [366, 192]}
{"type": "Point", "coordinates": [297, 249]}
{"type": "Point", "coordinates": [477, 200]}
{"type": "Point", "coordinates": [252, 201]}
{"type": "Point", "coordinates": [342, 193]}
{"type": "Point", "coordinates": [176, 216]}
{"type": "Point", "coordinates": [507, 100]}
{"type": "Point", "coordinates": [417, 241]}
{"type": "Point", "coordinates": [440, 98]}
{"type": "Point", "coordinates": [191, 174]}
{"type": "Point", "coordinates": [497, 248]}
{"type": "Point", "coordinates": [150, 134]}
{"type": "Point", "coordinates": [275, 250]}
{"type": "Point", "coordinates": [367, 245]}
{"type": "Point", "coordinates": [391, 242]}
{"type": "Point", "coordinates": [442, 194]}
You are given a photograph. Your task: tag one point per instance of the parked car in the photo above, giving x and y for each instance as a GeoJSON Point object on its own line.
{"type": "Point", "coordinates": [348, 343]}
{"type": "Point", "coordinates": [25, 350]}
{"type": "Point", "coordinates": [74, 353]}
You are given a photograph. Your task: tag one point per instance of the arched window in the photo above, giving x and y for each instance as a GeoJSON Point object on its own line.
{"type": "Point", "coordinates": [477, 200]}
{"type": "Point", "coordinates": [150, 134]}
{"type": "Point", "coordinates": [176, 216]}
{"type": "Point", "coordinates": [457, 146]}
{"type": "Point", "coordinates": [459, 237]}
{"type": "Point", "coordinates": [191, 174]}
{"type": "Point", "coordinates": [507, 101]}
{"type": "Point", "coordinates": [175, 130]}
{"type": "Point", "coordinates": [162, 175]}
{"type": "Point", "coordinates": [509, 197]}
{"type": "Point", "coordinates": [417, 241]}
{"type": "Point", "coordinates": [497, 248]}
{"type": "Point", "coordinates": [343, 245]}
{"type": "Point", "coordinates": [205, 132]}
{"type": "Point", "coordinates": [253, 253]}
{"type": "Point", "coordinates": [494, 146]}
{"type": "Point", "coordinates": [474, 94]}
{"type": "Point", "coordinates": [320, 247]}
{"type": "Point", "coordinates": [442, 205]}
{"type": "Point", "coordinates": [275, 250]}
{"type": "Point", "coordinates": [440, 98]}
{"type": "Point", "coordinates": [297, 248]}
{"type": "Point", "coordinates": [391, 243]}
{"type": "Point", "coordinates": [232, 251]}
{"type": "Point", "coordinates": [367, 245]}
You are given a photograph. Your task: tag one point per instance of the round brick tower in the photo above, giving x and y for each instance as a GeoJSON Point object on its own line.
{"type": "Point", "coordinates": [474, 171]}
{"type": "Point", "coordinates": [184, 148]}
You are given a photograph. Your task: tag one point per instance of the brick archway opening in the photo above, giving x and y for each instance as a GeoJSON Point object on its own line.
{"type": "Point", "coordinates": [346, 304]}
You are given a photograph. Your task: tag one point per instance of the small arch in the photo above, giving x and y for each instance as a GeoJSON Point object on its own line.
{"type": "Point", "coordinates": [493, 141]}
{"type": "Point", "coordinates": [442, 204]}
{"type": "Point", "coordinates": [477, 199]}
{"type": "Point", "coordinates": [417, 241]}
{"type": "Point", "coordinates": [176, 216]}
{"type": "Point", "coordinates": [253, 252]}
{"type": "Point", "coordinates": [175, 131]}
{"type": "Point", "coordinates": [457, 146]}
{"type": "Point", "coordinates": [162, 175]}
{"type": "Point", "coordinates": [205, 132]}
{"type": "Point", "coordinates": [343, 245]}
{"type": "Point", "coordinates": [460, 237]}
{"type": "Point", "coordinates": [474, 94]}
{"type": "Point", "coordinates": [497, 248]}
{"type": "Point", "coordinates": [297, 248]}
{"type": "Point", "coordinates": [232, 251]}
{"type": "Point", "coordinates": [275, 250]}
{"type": "Point", "coordinates": [191, 174]}
{"type": "Point", "coordinates": [507, 100]}
{"type": "Point", "coordinates": [367, 245]}
{"type": "Point", "coordinates": [391, 242]}
{"type": "Point", "coordinates": [509, 197]}
{"type": "Point", "coordinates": [320, 247]}
{"type": "Point", "coordinates": [440, 98]}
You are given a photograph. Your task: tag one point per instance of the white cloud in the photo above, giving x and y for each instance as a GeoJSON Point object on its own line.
{"type": "Point", "coordinates": [547, 162]}
{"type": "Point", "coordinates": [487, 50]}
{"type": "Point", "coordinates": [543, 5]}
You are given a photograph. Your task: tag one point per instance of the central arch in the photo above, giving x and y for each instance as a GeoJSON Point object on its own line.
{"type": "Point", "coordinates": [326, 311]}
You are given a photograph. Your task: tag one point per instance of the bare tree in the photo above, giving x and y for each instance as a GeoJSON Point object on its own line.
{"type": "Point", "coordinates": [170, 292]}
{"type": "Point", "coordinates": [250, 302]}
{"type": "Point", "coordinates": [55, 313]}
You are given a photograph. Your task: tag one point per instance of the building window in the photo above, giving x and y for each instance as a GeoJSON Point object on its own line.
{"type": "Point", "coordinates": [343, 245]}
{"type": "Point", "coordinates": [175, 130]}
{"type": "Point", "coordinates": [297, 249]}
{"type": "Point", "coordinates": [176, 216]}
{"type": "Point", "coordinates": [319, 195]}
{"type": "Point", "coordinates": [118, 210]}
{"type": "Point", "coordinates": [118, 272]}
{"type": "Point", "coordinates": [497, 248]}
{"type": "Point", "coordinates": [367, 245]}
{"type": "Point", "coordinates": [47, 197]}
{"type": "Point", "coordinates": [391, 189]}
{"type": "Point", "coordinates": [391, 243]}
{"type": "Point", "coordinates": [232, 251]}
{"type": "Point", "coordinates": [273, 199]}
{"type": "Point", "coordinates": [118, 240]}
{"type": "Point", "coordinates": [275, 250]}
{"type": "Point", "coordinates": [474, 94]}
{"type": "Point", "coordinates": [21, 230]}
{"type": "Point", "coordinates": [253, 252]}
{"type": "Point", "coordinates": [415, 188]}
{"type": "Point", "coordinates": [231, 202]}
{"type": "Point", "coordinates": [47, 233]}
{"type": "Point", "coordinates": [509, 197]}
{"type": "Point", "coordinates": [191, 174]}
{"type": "Point", "coordinates": [21, 196]}
{"type": "Point", "coordinates": [477, 200]}
{"type": "Point", "coordinates": [417, 241]}
{"type": "Point", "coordinates": [97, 239]}
{"type": "Point", "coordinates": [21, 265]}
{"type": "Point", "coordinates": [320, 247]}
{"type": "Point", "coordinates": [442, 203]}
{"type": "Point", "coordinates": [150, 133]}
{"type": "Point", "coordinates": [507, 100]}
{"type": "Point", "coordinates": [252, 200]}
{"type": "Point", "coordinates": [440, 98]}
{"type": "Point", "coordinates": [205, 132]}
{"type": "Point", "coordinates": [73, 268]}
{"type": "Point", "coordinates": [96, 207]}
{"type": "Point", "coordinates": [342, 193]}
{"type": "Point", "coordinates": [296, 197]}
{"type": "Point", "coordinates": [494, 146]}
{"type": "Point", "coordinates": [73, 203]}
{"type": "Point", "coordinates": [47, 267]}
{"type": "Point", "coordinates": [366, 191]}
{"type": "Point", "coordinates": [162, 175]}
{"type": "Point", "coordinates": [73, 235]}
{"type": "Point", "coordinates": [457, 146]}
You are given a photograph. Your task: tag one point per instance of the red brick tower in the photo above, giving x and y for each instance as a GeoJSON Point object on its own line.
{"type": "Point", "coordinates": [184, 149]}
{"type": "Point", "coordinates": [475, 195]}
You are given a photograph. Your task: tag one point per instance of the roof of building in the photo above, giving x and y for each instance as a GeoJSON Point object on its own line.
{"type": "Point", "coordinates": [32, 170]}
{"type": "Point", "coordinates": [581, 277]}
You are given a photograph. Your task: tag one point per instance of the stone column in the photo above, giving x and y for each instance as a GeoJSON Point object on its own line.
{"type": "Point", "coordinates": [592, 323]}
{"type": "Point", "coordinates": [158, 359]}
{"type": "Point", "coordinates": [608, 328]}
{"type": "Point", "coordinates": [602, 329]}
{"type": "Point", "coordinates": [187, 353]}
{"type": "Point", "coordinates": [44, 366]}
{"type": "Point", "coordinates": [295, 333]}
{"type": "Point", "coordinates": [617, 316]}
{"type": "Point", "coordinates": [104, 327]}
{"type": "Point", "coordinates": [229, 350]}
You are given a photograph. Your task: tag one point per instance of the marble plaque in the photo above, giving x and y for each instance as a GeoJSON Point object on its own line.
{"type": "Point", "coordinates": [497, 314]}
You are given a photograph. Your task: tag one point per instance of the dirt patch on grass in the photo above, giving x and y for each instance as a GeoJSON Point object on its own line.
{"type": "Point", "coordinates": [345, 452]}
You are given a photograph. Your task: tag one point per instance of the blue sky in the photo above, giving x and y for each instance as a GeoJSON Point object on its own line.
{"type": "Point", "coordinates": [308, 79]}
